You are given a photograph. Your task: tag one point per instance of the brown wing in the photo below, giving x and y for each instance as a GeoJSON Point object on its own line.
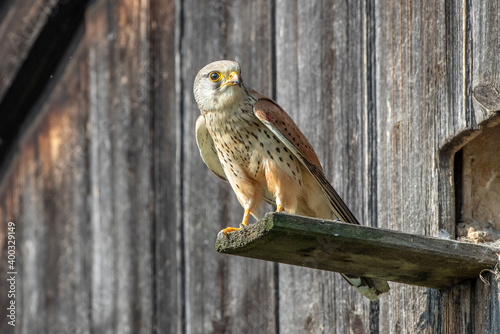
{"type": "Point", "coordinates": [207, 149]}
{"type": "Point", "coordinates": [282, 125]}
{"type": "Point", "coordinates": [276, 119]}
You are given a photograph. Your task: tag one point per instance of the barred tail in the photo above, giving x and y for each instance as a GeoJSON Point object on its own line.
{"type": "Point", "coordinates": [368, 287]}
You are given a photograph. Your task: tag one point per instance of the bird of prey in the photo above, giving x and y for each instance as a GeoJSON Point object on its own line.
{"type": "Point", "coordinates": [249, 140]}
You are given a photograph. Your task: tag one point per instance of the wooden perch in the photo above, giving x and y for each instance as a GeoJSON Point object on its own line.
{"type": "Point", "coordinates": [359, 250]}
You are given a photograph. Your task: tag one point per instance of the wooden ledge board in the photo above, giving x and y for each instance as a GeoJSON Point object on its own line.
{"type": "Point", "coordinates": [359, 250]}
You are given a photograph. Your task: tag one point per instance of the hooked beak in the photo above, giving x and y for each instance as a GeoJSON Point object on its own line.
{"type": "Point", "coordinates": [232, 80]}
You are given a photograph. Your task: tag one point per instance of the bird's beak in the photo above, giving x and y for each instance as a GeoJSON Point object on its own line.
{"type": "Point", "coordinates": [232, 80]}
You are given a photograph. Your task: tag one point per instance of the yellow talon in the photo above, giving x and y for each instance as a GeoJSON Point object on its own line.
{"type": "Point", "coordinates": [229, 229]}
{"type": "Point", "coordinates": [244, 222]}
{"type": "Point", "coordinates": [279, 208]}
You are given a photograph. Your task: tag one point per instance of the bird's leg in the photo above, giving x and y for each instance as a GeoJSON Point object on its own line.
{"type": "Point", "coordinates": [244, 222]}
{"type": "Point", "coordinates": [250, 196]}
{"type": "Point", "coordinates": [279, 204]}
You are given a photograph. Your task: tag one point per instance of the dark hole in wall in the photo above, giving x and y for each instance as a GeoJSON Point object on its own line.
{"type": "Point", "coordinates": [458, 170]}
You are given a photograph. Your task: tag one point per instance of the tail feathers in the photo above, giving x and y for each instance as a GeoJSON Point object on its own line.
{"type": "Point", "coordinates": [368, 287]}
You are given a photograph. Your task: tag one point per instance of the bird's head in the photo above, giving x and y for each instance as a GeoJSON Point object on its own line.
{"type": "Point", "coordinates": [218, 85]}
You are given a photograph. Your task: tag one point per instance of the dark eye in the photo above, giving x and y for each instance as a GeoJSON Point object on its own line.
{"type": "Point", "coordinates": [215, 76]}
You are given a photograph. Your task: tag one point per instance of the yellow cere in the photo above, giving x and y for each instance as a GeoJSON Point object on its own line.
{"type": "Point", "coordinates": [232, 74]}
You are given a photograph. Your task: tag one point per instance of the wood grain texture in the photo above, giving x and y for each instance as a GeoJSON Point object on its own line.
{"type": "Point", "coordinates": [101, 215]}
{"type": "Point", "coordinates": [222, 294]}
{"type": "Point", "coordinates": [49, 183]}
{"type": "Point", "coordinates": [485, 44]}
{"type": "Point", "coordinates": [251, 288]}
{"type": "Point", "coordinates": [84, 216]}
{"type": "Point", "coordinates": [411, 85]}
{"type": "Point", "coordinates": [168, 265]}
{"type": "Point", "coordinates": [18, 32]}
{"type": "Point", "coordinates": [423, 104]}
{"type": "Point", "coordinates": [320, 83]}
{"type": "Point", "coordinates": [116, 210]}
{"type": "Point", "coordinates": [358, 250]}
{"type": "Point", "coordinates": [33, 36]}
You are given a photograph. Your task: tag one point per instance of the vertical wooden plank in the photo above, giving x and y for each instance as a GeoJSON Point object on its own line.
{"type": "Point", "coordinates": [168, 265]}
{"type": "Point", "coordinates": [321, 70]}
{"type": "Point", "coordinates": [456, 312]}
{"type": "Point", "coordinates": [452, 127]}
{"type": "Point", "coordinates": [291, 20]}
{"type": "Point", "coordinates": [204, 200]}
{"type": "Point", "coordinates": [222, 293]}
{"type": "Point", "coordinates": [475, 307]}
{"type": "Point", "coordinates": [487, 305]}
{"type": "Point", "coordinates": [422, 105]}
{"type": "Point", "coordinates": [251, 288]}
{"type": "Point", "coordinates": [48, 180]}
{"type": "Point", "coordinates": [485, 44]}
{"type": "Point", "coordinates": [485, 40]}
{"type": "Point", "coordinates": [21, 180]}
{"type": "Point", "coordinates": [30, 225]}
{"type": "Point", "coordinates": [120, 165]}
{"type": "Point", "coordinates": [405, 143]}
{"type": "Point", "coordinates": [409, 108]}
{"type": "Point", "coordinates": [9, 211]}
{"type": "Point", "coordinates": [80, 192]}
{"type": "Point", "coordinates": [121, 26]}
{"type": "Point", "coordinates": [103, 279]}
{"type": "Point", "coordinates": [56, 143]}
{"type": "Point", "coordinates": [70, 272]}
{"type": "Point", "coordinates": [395, 29]}
{"type": "Point", "coordinates": [131, 163]}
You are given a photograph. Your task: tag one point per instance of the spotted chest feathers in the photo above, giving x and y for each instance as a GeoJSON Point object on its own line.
{"type": "Point", "coordinates": [249, 151]}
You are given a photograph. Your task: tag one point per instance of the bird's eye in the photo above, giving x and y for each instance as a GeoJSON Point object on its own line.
{"type": "Point", "coordinates": [215, 76]}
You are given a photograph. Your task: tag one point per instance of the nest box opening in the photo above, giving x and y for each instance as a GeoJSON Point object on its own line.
{"type": "Point", "coordinates": [477, 187]}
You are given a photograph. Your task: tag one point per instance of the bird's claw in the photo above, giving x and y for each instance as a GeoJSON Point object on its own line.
{"type": "Point", "coordinates": [228, 229]}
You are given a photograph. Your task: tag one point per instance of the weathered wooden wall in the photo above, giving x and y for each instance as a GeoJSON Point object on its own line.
{"type": "Point", "coordinates": [117, 215]}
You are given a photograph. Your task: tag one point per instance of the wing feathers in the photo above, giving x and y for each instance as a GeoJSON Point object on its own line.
{"type": "Point", "coordinates": [207, 149]}
{"type": "Point", "coordinates": [271, 114]}
{"type": "Point", "coordinates": [278, 121]}
{"type": "Point", "coordinates": [336, 203]}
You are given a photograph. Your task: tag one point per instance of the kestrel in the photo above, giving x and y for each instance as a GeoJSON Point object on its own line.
{"type": "Point", "coordinates": [249, 140]}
